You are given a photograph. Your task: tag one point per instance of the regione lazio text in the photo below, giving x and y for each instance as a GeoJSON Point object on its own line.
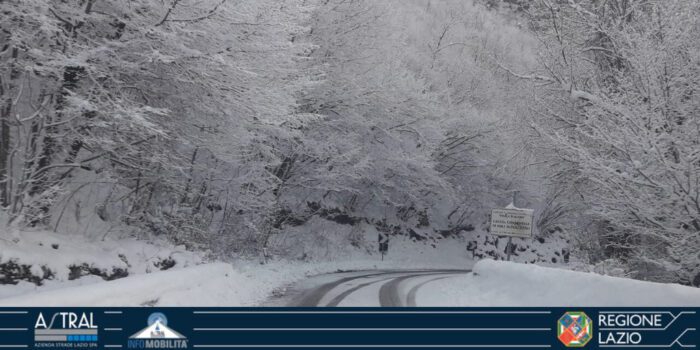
{"type": "Point", "coordinates": [358, 328]}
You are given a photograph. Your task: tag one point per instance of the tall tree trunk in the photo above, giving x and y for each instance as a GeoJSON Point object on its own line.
{"type": "Point", "coordinates": [5, 115]}
{"type": "Point", "coordinates": [188, 185]}
{"type": "Point", "coordinates": [71, 76]}
{"type": "Point", "coordinates": [5, 151]}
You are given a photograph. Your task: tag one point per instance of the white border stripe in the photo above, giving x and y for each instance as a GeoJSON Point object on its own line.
{"type": "Point", "coordinates": [371, 329]}
{"type": "Point", "coordinates": [427, 346]}
{"type": "Point", "coordinates": [376, 312]}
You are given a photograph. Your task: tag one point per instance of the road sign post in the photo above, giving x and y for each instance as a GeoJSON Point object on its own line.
{"type": "Point", "coordinates": [509, 248]}
{"type": "Point", "coordinates": [383, 240]}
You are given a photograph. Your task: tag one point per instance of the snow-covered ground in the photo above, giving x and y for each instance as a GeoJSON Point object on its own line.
{"type": "Point", "coordinates": [57, 260]}
{"type": "Point", "coordinates": [74, 272]}
{"type": "Point", "coordinates": [240, 283]}
{"type": "Point", "coordinates": [499, 283]}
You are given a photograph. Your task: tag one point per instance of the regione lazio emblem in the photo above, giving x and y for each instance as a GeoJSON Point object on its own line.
{"type": "Point", "coordinates": [574, 329]}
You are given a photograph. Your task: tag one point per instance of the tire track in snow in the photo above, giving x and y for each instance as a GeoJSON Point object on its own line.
{"type": "Point", "coordinates": [389, 293]}
{"type": "Point", "coordinates": [339, 298]}
{"type": "Point", "coordinates": [313, 297]}
{"type": "Point", "coordinates": [411, 298]}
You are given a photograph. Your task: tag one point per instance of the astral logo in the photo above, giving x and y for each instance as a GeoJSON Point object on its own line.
{"type": "Point", "coordinates": [157, 335]}
{"type": "Point", "coordinates": [574, 329]}
{"type": "Point", "coordinates": [65, 330]}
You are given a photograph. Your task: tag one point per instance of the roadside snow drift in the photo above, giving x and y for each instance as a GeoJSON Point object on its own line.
{"type": "Point", "coordinates": [500, 283]}
{"type": "Point", "coordinates": [52, 257]}
{"type": "Point", "coordinates": [202, 285]}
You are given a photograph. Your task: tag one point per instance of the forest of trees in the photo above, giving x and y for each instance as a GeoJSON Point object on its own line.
{"type": "Point", "coordinates": [620, 110]}
{"type": "Point", "coordinates": [221, 123]}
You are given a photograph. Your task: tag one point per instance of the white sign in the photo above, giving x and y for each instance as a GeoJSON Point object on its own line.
{"type": "Point", "coordinates": [511, 222]}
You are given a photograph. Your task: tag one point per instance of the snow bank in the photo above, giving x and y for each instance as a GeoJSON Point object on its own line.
{"type": "Point", "coordinates": [199, 285]}
{"type": "Point", "coordinates": [243, 283]}
{"type": "Point", "coordinates": [500, 283]}
{"type": "Point", "coordinates": [58, 252]}
{"type": "Point", "coordinates": [55, 252]}
{"type": "Point", "coordinates": [37, 261]}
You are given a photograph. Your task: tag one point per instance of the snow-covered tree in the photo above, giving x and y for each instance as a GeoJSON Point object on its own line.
{"type": "Point", "coordinates": [415, 119]}
{"type": "Point", "coordinates": [620, 110]}
{"type": "Point", "coordinates": [147, 111]}
{"type": "Point", "coordinates": [370, 154]}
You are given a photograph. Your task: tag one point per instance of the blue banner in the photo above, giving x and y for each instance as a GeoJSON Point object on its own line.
{"type": "Point", "coordinates": [347, 328]}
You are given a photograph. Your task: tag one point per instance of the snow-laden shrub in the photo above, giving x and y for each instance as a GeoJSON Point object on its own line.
{"type": "Point", "coordinates": [552, 249]}
{"type": "Point", "coordinates": [611, 267]}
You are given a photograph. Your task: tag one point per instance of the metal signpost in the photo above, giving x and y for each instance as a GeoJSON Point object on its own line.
{"type": "Point", "coordinates": [511, 223]}
{"type": "Point", "coordinates": [383, 243]}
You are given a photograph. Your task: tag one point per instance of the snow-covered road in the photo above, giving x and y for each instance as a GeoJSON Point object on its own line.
{"type": "Point", "coordinates": [492, 283]}
{"type": "Point", "coordinates": [367, 288]}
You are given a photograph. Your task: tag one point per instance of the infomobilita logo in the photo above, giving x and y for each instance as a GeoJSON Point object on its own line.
{"type": "Point", "coordinates": [575, 329]}
{"type": "Point", "coordinates": [157, 335]}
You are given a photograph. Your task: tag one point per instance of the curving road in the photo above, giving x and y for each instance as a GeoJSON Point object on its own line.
{"type": "Point", "coordinates": [367, 288]}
